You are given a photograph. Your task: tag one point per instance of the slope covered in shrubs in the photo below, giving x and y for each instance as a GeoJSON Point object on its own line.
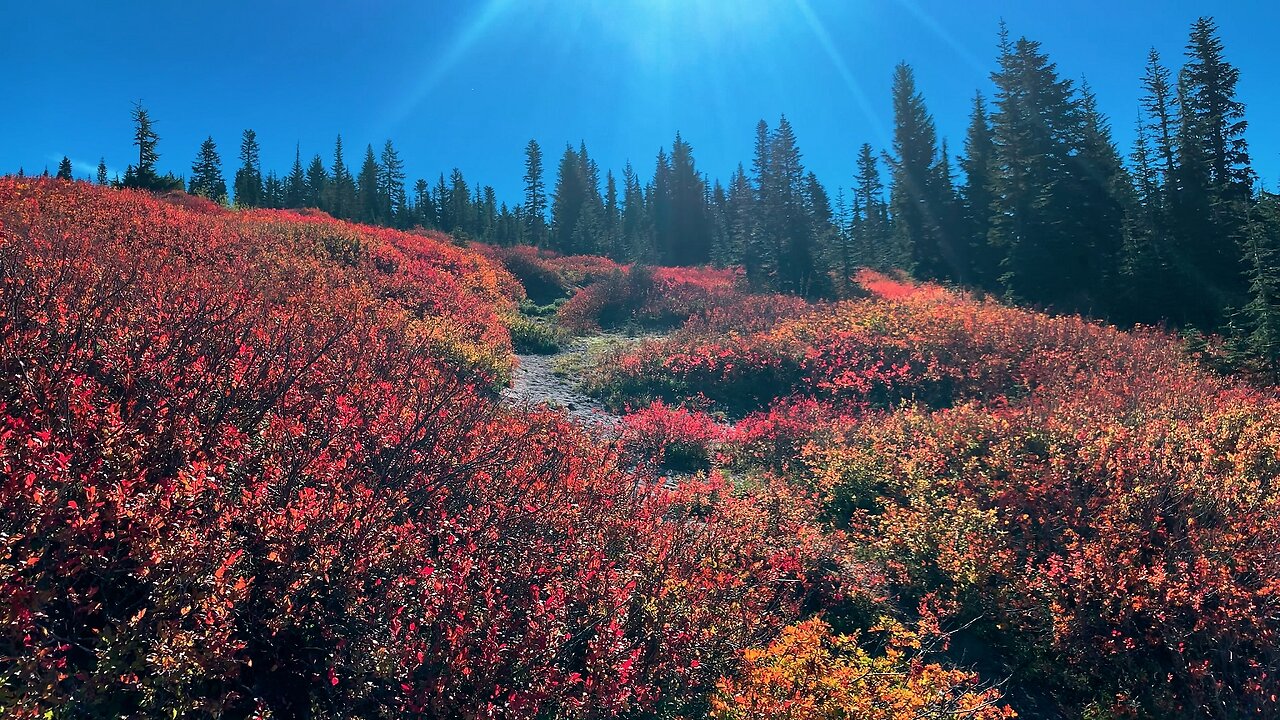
{"type": "Point", "coordinates": [253, 465]}
{"type": "Point", "coordinates": [1097, 511]}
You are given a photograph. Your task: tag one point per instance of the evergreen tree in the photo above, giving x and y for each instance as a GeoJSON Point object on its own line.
{"type": "Point", "coordinates": [369, 202]}
{"type": "Point", "coordinates": [685, 237]}
{"type": "Point", "coordinates": [739, 219]}
{"type": "Point", "coordinates": [317, 184]}
{"type": "Point", "coordinates": [341, 202]}
{"type": "Point", "coordinates": [975, 194]}
{"type": "Point", "coordinates": [391, 186]}
{"type": "Point", "coordinates": [871, 228]}
{"type": "Point", "coordinates": [295, 186]}
{"type": "Point", "coordinates": [444, 206]}
{"type": "Point", "coordinates": [568, 201]}
{"type": "Point", "coordinates": [1214, 180]}
{"type": "Point", "coordinates": [915, 192]}
{"type": "Point", "coordinates": [64, 169]}
{"type": "Point", "coordinates": [1036, 126]}
{"type": "Point", "coordinates": [635, 221]}
{"type": "Point", "coordinates": [613, 241]}
{"type": "Point", "coordinates": [535, 195]}
{"type": "Point", "coordinates": [248, 179]}
{"type": "Point", "coordinates": [102, 171]}
{"type": "Point", "coordinates": [1262, 312]}
{"type": "Point", "coordinates": [460, 207]}
{"type": "Point", "coordinates": [1161, 106]}
{"type": "Point", "coordinates": [424, 211]}
{"type": "Point", "coordinates": [273, 191]}
{"type": "Point", "coordinates": [206, 173]}
{"type": "Point", "coordinates": [145, 138]}
{"type": "Point", "coordinates": [761, 246]}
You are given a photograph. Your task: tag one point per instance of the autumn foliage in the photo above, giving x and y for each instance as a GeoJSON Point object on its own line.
{"type": "Point", "coordinates": [253, 465]}
{"type": "Point", "coordinates": [1095, 509]}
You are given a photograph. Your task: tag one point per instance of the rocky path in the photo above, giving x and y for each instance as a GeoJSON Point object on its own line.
{"type": "Point", "coordinates": [535, 381]}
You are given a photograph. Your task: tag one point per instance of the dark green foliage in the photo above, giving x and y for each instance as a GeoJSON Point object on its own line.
{"type": "Point", "coordinates": [206, 173]}
{"type": "Point", "coordinates": [64, 169]}
{"type": "Point", "coordinates": [248, 179]}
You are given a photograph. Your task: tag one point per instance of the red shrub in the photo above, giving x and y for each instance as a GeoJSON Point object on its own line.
{"type": "Point", "coordinates": [252, 464]}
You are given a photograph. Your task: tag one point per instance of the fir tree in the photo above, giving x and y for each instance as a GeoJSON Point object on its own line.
{"type": "Point", "coordinates": [975, 194]}
{"type": "Point", "coordinates": [914, 191]}
{"type": "Point", "coordinates": [146, 140]}
{"type": "Point", "coordinates": [102, 171]}
{"type": "Point", "coordinates": [64, 169]}
{"type": "Point", "coordinates": [295, 186]}
{"type": "Point", "coordinates": [248, 179]}
{"type": "Point", "coordinates": [317, 184]}
{"type": "Point", "coordinates": [341, 202]}
{"type": "Point", "coordinates": [391, 186]}
{"type": "Point", "coordinates": [206, 173]}
{"type": "Point", "coordinates": [369, 200]}
{"type": "Point", "coordinates": [535, 195]}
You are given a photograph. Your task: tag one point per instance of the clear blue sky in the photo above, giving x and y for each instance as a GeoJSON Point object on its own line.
{"type": "Point", "coordinates": [466, 84]}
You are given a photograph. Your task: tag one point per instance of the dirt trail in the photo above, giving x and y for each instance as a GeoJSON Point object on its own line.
{"type": "Point", "coordinates": [535, 381]}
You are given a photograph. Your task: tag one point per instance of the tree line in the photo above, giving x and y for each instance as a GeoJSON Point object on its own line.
{"type": "Point", "coordinates": [1039, 207]}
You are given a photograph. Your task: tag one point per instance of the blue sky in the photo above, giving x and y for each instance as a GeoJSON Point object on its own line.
{"type": "Point", "coordinates": [466, 84]}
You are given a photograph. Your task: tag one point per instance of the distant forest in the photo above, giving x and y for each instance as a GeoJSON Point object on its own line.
{"type": "Point", "coordinates": [1039, 207]}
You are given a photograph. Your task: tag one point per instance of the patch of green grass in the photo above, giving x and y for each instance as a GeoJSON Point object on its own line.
{"type": "Point", "coordinates": [533, 337]}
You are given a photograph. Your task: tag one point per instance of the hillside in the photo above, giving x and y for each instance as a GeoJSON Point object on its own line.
{"type": "Point", "coordinates": [258, 464]}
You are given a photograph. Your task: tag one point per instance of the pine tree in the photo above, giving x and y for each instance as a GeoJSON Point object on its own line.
{"type": "Point", "coordinates": [64, 169]}
{"type": "Point", "coordinates": [424, 211]}
{"type": "Point", "coordinates": [871, 228]}
{"type": "Point", "coordinates": [739, 219]}
{"type": "Point", "coordinates": [206, 173]}
{"type": "Point", "coordinates": [317, 184]}
{"type": "Point", "coordinates": [369, 202]}
{"type": "Point", "coordinates": [914, 191]}
{"type": "Point", "coordinates": [613, 241]}
{"type": "Point", "coordinates": [273, 190]}
{"type": "Point", "coordinates": [391, 186]}
{"type": "Point", "coordinates": [248, 179]}
{"type": "Point", "coordinates": [102, 171]}
{"type": "Point", "coordinates": [688, 232]}
{"type": "Point", "coordinates": [535, 196]}
{"type": "Point", "coordinates": [295, 186]}
{"type": "Point", "coordinates": [146, 139]}
{"type": "Point", "coordinates": [760, 249]}
{"type": "Point", "coordinates": [1262, 312]}
{"type": "Point", "coordinates": [1214, 179]}
{"type": "Point", "coordinates": [1161, 105]}
{"type": "Point", "coordinates": [341, 202]}
{"type": "Point", "coordinates": [461, 212]}
{"type": "Point", "coordinates": [635, 220]}
{"type": "Point", "coordinates": [975, 194]}
{"type": "Point", "coordinates": [568, 201]}
{"type": "Point", "coordinates": [1036, 125]}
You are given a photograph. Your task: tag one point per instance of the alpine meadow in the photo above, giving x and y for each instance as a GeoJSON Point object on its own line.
{"type": "Point", "coordinates": [970, 411]}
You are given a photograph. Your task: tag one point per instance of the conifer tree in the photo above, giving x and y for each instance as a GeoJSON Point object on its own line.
{"type": "Point", "coordinates": [145, 139]}
{"type": "Point", "coordinates": [206, 173]}
{"type": "Point", "coordinates": [273, 190]}
{"type": "Point", "coordinates": [976, 196]}
{"type": "Point", "coordinates": [317, 184]}
{"type": "Point", "coordinates": [687, 227]}
{"type": "Point", "coordinates": [915, 192]}
{"type": "Point", "coordinates": [634, 215]}
{"type": "Point", "coordinates": [871, 228]}
{"type": "Point", "coordinates": [391, 186]}
{"type": "Point", "coordinates": [1214, 179]}
{"type": "Point", "coordinates": [1035, 126]}
{"type": "Point", "coordinates": [368, 200]}
{"type": "Point", "coordinates": [535, 195]}
{"type": "Point", "coordinates": [295, 186]}
{"type": "Point", "coordinates": [248, 179]}
{"type": "Point", "coordinates": [424, 211]}
{"type": "Point", "coordinates": [1262, 312]}
{"type": "Point", "coordinates": [102, 171]}
{"type": "Point", "coordinates": [341, 202]}
{"type": "Point", "coordinates": [64, 169]}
